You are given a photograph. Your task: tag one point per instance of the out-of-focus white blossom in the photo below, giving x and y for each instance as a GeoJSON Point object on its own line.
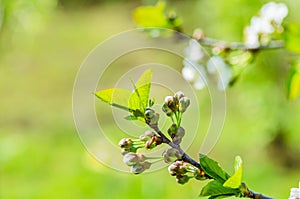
{"type": "Point", "coordinates": [196, 73]}
{"type": "Point", "coordinates": [216, 65]}
{"type": "Point", "coordinates": [193, 75]}
{"type": "Point", "coordinates": [200, 83]}
{"type": "Point", "coordinates": [295, 193]}
{"type": "Point", "coordinates": [274, 12]}
{"type": "Point", "coordinates": [188, 71]}
{"type": "Point", "coordinates": [262, 26]}
{"type": "Point", "coordinates": [251, 39]}
{"type": "Point", "coordinates": [193, 71]}
{"type": "Point", "coordinates": [193, 52]}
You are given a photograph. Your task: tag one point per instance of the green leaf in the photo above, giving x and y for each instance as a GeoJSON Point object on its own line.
{"type": "Point", "coordinates": [215, 190]}
{"type": "Point", "coordinates": [293, 81]}
{"type": "Point", "coordinates": [236, 179]}
{"type": "Point", "coordinates": [292, 37]}
{"type": "Point", "coordinates": [139, 99]}
{"type": "Point", "coordinates": [151, 102]}
{"type": "Point", "coordinates": [151, 16]}
{"type": "Point", "coordinates": [134, 102]}
{"type": "Point", "coordinates": [117, 97]}
{"type": "Point", "coordinates": [212, 169]}
{"type": "Point", "coordinates": [130, 117]}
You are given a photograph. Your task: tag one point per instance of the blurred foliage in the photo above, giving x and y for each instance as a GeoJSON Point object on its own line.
{"type": "Point", "coordinates": [41, 155]}
{"type": "Point", "coordinates": [23, 16]}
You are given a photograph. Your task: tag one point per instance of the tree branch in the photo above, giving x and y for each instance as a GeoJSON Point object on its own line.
{"type": "Point", "coordinates": [186, 158]}
{"type": "Point", "coordinates": [206, 41]}
{"type": "Point", "coordinates": [254, 195]}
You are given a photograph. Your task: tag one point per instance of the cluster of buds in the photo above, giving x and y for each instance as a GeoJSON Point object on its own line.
{"type": "Point", "coordinates": [136, 162]}
{"type": "Point", "coordinates": [148, 140]}
{"type": "Point", "coordinates": [176, 133]}
{"type": "Point", "coordinates": [184, 171]}
{"type": "Point", "coordinates": [129, 146]}
{"type": "Point", "coordinates": [175, 103]}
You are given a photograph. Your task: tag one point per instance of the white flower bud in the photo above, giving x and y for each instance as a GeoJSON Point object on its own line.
{"type": "Point", "coordinates": [184, 104]}
{"type": "Point", "coordinates": [132, 158]}
{"type": "Point", "coordinates": [179, 95]}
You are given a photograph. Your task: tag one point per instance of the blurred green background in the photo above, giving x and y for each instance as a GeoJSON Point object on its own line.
{"type": "Point", "coordinates": [43, 43]}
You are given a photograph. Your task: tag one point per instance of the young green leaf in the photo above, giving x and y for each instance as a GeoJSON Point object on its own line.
{"type": "Point", "coordinates": [236, 179]}
{"type": "Point", "coordinates": [130, 117]}
{"type": "Point", "coordinates": [212, 169]}
{"type": "Point", "coordinates": [293, 82]}
{"type": "Point", "coordinates": [117, 97]}
{"type": "Point", "coordinates": [215, 190]}
{"type": "Point", "coordinates": [139, 98]}
{"type": "Point", "coordinates": [134, 102]}
{"type": "Point", "coordinates": [292, 37]}
{"type": "Point", "coordinates": [151, 16]}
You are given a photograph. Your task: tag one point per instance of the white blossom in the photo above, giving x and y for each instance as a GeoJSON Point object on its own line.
{"type": "Point", "coordinates": [194, 73]}
{"type": "Point", "coordinates": [262, 26]}
{"type": "Point", "coordinates": [216, 65]}
{"type": "Point", "coordinates": [188, 71]}
{"type": "Point", "coordinates": [274, 12]}
{"type": "Point", "coordinates": [252, 39]}
{"type": "Point", "coordinates": [295, 193]}
{"type": "Point", "coordinates": [193, 52]}
{"type": "Point", "coordinates": [199, 84]}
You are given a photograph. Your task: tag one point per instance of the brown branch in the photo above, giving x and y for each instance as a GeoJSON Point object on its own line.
{"type": "Point", "coordinates": [254, 195]}
{"type": "Point", "coordinates": [186, 158]}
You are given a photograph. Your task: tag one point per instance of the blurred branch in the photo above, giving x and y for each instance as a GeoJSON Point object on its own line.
{"type": "Point", "coordinates": [205, 41]}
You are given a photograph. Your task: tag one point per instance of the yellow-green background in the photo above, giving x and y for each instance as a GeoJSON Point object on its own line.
{"type": "Point", "coordinates": [41, 155]}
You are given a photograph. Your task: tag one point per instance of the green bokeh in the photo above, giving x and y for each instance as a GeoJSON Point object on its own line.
{"type": "Point", "coordinates": [41, 155]}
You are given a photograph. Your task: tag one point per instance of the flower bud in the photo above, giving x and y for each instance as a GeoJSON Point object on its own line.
{"type": "Point", "coordinates": [180, 132]}
{"type": "Point", "coordinates": [151, 117]}
{"type": "Point", "coordinates": [172, 170]}
{"type": "Point", "coordinates": [177, 168]}
{"type": "Point", "coordinates": [132, 158]}
{"type": "Point", "coordinates": [199, 175]}
{"type": "Point", "coordinates": [149, 113]}
{"type": "Point", "coordinates": [171, 103]}
{"type": "Point", "coordinates": [172, 130]}
{"type": "Point", "coordinates": [147, 135]}
{"type": "Point", "coordinates": [178, 95]}
{"type": "Point", "coordinates": [153, 142]}
{"type": "Point", "coordinates": [184, 104]}
{"type": "Point", "coordinates": [124, 151]}
{"type": "Point", "coordinates": [176, 139]}
{"type": "Point", "coordinates": [182, 179]}
{"type": "Point", "coordinates": [169, 100]}
{"type": "Point", "coordinates": [176, 133]}
{"type": "Point", "coordinates": [170, 155]}
{"type": "Point", "coordinates": [140, 167]}
{"type": "Point", "coordinates": [126, 143]}
{"type": "Point", "coordinates": [167, 110]}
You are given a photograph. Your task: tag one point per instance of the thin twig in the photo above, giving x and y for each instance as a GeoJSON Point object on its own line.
{"type": "Point", "coordinates": [206, 41]}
